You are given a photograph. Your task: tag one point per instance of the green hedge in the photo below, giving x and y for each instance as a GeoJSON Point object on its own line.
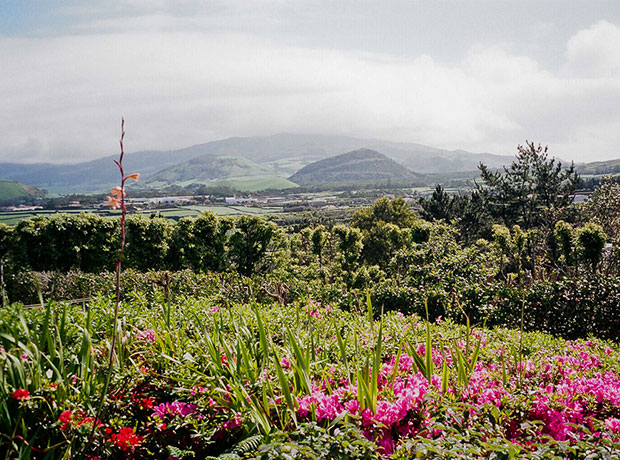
{"type": "Point", "coordinates": [90, 243]}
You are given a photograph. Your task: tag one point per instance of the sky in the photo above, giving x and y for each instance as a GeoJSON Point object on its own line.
{"type": "Point", "coordinates": [482, 76]}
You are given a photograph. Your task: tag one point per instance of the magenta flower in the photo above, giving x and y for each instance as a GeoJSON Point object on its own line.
{"type": "Point", "coordinates": [173, 409]}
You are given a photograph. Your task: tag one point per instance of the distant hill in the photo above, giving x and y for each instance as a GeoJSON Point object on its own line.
{"type": "Point", "coordinates": [356, 167]}
{"type": "Point", "coordinates": [215, 170]}
{"type": "Point", "coordinates": [283, 154]}
{"type": "Point", "coordinates": [15, 191]}
{"type": "Point", "coordinates": [599, 168]}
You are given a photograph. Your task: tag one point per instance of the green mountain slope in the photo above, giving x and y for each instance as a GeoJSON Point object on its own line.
{"type": "Point", "coordinates": [599, 167]}
{"type": "Point", "coordinates": [14, 191]}
{"type": "Point", "coordinates": [215, 170]}
{"type": "Point", "coordinates": [359, 166]}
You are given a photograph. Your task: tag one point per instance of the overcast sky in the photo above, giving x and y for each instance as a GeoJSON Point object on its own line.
{"type": "Point", "coordinates": [477, 75]}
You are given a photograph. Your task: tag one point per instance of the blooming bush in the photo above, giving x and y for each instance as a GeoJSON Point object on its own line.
{"type": "Point", "coordinates": [263, 380]}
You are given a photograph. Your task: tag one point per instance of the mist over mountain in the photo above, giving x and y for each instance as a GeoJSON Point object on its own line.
{"type": "Point", "coordinates": [282, 154]}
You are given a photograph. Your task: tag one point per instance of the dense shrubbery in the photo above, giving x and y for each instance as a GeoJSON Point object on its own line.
{"type": "Point", "coordinates": [401, 260]}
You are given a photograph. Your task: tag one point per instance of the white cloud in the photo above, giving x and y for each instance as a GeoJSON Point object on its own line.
{"type": "Point", "coordinates": [63, 97]}
{"type": "Point", "coordinates": [595, 51]}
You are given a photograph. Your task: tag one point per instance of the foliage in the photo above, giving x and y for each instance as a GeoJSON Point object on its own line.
{"type": "Point", "coordinates": [591, 239]}
{"type": "Point", "coordinates": [603, 208]}
{"type": "Point", "coordinates": [148, 241]}
{"type": "Point", "coordinates": [532, 191]}
{"type": "Point", "coordinates": [249, 243]}
{"type": "Point", "coordinates": [384, 210]}
{"type": "Point", "coordinates": [274, 381]}
{"type": "Point", "coordinates": [439, 206]}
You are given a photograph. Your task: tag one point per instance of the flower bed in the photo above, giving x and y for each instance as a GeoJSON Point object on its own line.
{"type": "Point", "coordinates": [302, 381]}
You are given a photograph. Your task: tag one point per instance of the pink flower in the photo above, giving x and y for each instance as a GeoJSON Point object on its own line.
{"type": "Point", "coordinates": [173, 409]}
{"type": "Point", "coordinates": [147, 336]}
{"type": "Point", "coordinates": [613, 424]}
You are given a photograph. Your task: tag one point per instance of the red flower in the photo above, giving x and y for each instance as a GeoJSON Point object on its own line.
{"type": "Point", "coordinates": [21, 395]}
{"type": "Point", "coordinates": [65, 418]}
{"type": "Point", "coordinates": [126, 439]}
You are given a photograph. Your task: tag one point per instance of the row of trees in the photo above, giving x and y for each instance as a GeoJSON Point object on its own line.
{"type": "Point", "coordinates": [385, 236]}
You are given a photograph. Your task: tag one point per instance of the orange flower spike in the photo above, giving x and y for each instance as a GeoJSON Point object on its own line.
{"type": "Point", "coordinates": [113, 202]}
{"type": "Point", "coordinates": [118, 192]}
{"type": "Point", "coordinates": [134, 176]}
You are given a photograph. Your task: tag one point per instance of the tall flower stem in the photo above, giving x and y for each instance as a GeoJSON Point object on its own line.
{"type": "Point", "coordinates": [117, 200]}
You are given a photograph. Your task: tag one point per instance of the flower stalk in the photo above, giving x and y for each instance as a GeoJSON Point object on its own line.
{"type": "Point", "coordinates": [116, 200]}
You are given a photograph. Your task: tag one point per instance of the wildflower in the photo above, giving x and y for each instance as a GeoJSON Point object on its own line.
{"type": "Point", "coordinates": [118, 192]}
{"type": "Point", "coordinates": [24, 358]}
{"type": "Point", "coordinates": [233, 423]}
{"type": "Point", "coordinates": [613, 424]}
{"type": "Point", "coordinates": [147, 336]}
{"type": "Point", "coordinates": [196, 390]}
{"type": "Point", "coordinates": [21, 395]}
{"type": "Point", "coordinates": [134, 176]}
{"type": "Point", "coordinates": [65, 420]}
{"type": "Point", "coordinates": [285, 363]}
{"type": "Point", "coordinates": [113, 202]}
{"type": "Point", "coordinates": [215, 309]}
{"type": "Point", "coordinates": [126, 439]}
{"type": "Point", "coordinates": [173, 409]}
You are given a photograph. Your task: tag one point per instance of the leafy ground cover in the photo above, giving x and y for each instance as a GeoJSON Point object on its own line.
{"type": "Point", "coordinates": [201, 376]}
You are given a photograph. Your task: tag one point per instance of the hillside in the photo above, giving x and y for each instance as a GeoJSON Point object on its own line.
{"type": "Point", "coordinates": [283, 154]}
{"type": "Point", "coordinates": [359, 166]}
{"type": "Point", "coordinates": [599, 167]}
{"type": "Point", "coordinates": [14, 191]}
{"type": "Point", "coordinates": [236, 172]}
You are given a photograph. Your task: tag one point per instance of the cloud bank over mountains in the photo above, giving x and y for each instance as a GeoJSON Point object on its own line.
{"type": "Point", "coordinates": [63, 94]}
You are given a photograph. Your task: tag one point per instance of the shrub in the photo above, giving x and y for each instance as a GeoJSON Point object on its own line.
{"type": "Point", "coordinates": [591, 239]}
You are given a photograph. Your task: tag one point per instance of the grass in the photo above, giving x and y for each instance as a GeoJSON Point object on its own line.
{"type": "Point", "coordinates": [11, 190]}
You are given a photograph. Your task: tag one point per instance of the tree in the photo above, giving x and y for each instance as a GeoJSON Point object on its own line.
{"type": "Point", "coordinates": [439, 206]}
{"type": "Point", "coordinates": [603, 208]}
{"type": "Point", "coordinates": [319, 239]}
{"type": "Point", "coordinates": [249, 242]}
{"type": "Point", "coordinates": [382, 226]}
{"type": "Point", "coordinates": [349, 244]}
{"type": "Point", "coordinates": [591, 239]}
{"type": "Point", "coordinates": [532, 192]}
{"type": "Point", "coordinates": [384, 210]}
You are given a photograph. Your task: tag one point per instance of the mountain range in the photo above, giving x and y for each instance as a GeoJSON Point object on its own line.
{"type": "Point", "coordinates": [253, 162]}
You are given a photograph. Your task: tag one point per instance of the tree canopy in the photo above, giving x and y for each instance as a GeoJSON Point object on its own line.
{"type": "Point", "coordinates": [531, 191]}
